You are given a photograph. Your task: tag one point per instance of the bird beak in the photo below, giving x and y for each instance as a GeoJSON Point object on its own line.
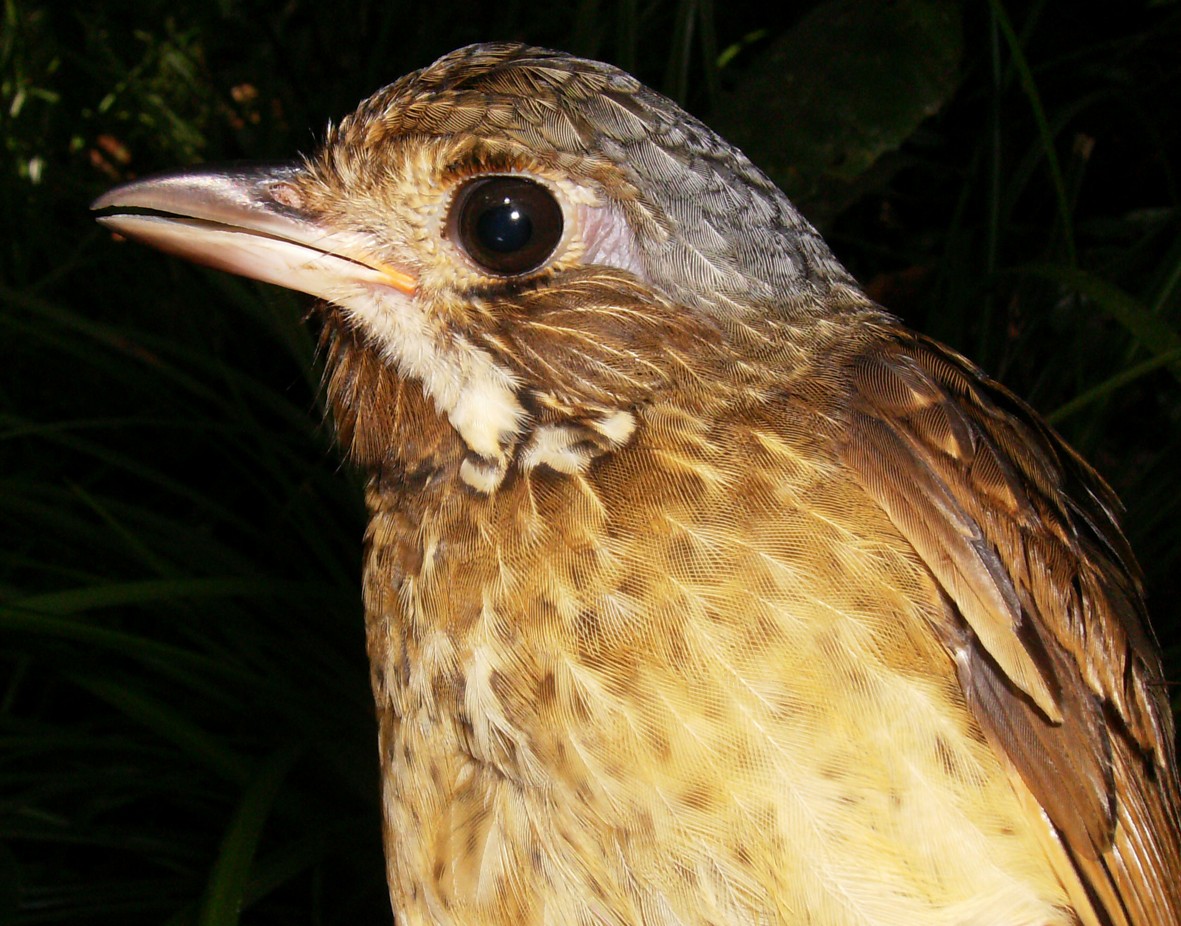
{"type": "Point", "coordinates": [247, 220]}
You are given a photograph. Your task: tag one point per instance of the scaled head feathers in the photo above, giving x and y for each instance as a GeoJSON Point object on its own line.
{"type": "Point", "coordinates": [676, 204]}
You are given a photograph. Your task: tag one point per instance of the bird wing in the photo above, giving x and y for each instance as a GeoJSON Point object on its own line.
{"type": "Point", "coordinates": [1045, 608]}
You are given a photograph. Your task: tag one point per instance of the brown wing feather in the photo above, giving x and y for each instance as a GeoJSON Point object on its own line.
{"type": "Point", "coordinates": [1046, 612]}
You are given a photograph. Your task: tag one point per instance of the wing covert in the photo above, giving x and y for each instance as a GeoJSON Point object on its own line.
{"type": "Point", "coordinates": [1046, 618]}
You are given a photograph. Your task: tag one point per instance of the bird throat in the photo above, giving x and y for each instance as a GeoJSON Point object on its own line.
{"type": "Point", "coordinates": [391, 426]}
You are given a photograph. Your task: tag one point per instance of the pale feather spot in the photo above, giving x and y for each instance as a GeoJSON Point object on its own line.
{"type": "Point", "coordinates": [560, 447]}
{"type": "Point", "coordinates": [495, 740]}
{"type": "Point", "coordinates": [711, 475]}
{"type": "Point", "coordinates": [482, 475]}
{"type": "Point", "coordinates": [618, 427]}
{"type": "Point", "coordinates": [436, 658]}
{"type": "Point", "coordinates": [486, 414]}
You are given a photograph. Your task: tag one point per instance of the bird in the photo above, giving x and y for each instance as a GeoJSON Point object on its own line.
{"type": "Point", "coordinates": [697, 588]}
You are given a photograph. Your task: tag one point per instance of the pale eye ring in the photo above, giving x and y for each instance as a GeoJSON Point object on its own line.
{"type": "Point", "coordinates": [507, 225]}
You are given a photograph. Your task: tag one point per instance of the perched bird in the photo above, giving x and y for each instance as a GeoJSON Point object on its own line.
{"type": "Point", "coordinates": [698, 590]}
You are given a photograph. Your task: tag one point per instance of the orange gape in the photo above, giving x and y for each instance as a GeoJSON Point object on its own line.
{"type": "Point", "coordinates": [698, 589]}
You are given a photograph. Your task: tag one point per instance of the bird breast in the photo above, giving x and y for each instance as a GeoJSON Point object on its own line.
{"type": "Point", "coordinates": [626, 694]}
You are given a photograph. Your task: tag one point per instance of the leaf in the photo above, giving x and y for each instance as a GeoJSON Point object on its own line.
{"type": "Point", "coordinates": [846, 86]}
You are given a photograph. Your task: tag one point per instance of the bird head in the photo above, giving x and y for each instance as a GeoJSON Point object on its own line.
{"type": "Point", "coordinates": [529, 238]}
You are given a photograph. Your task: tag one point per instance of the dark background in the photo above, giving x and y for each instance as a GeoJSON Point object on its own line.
{"type": "Point", "coordinates": [185, 723]}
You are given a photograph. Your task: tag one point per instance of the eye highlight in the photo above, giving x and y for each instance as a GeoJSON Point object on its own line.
{"type": "Point", "coordinates": [507, 225]}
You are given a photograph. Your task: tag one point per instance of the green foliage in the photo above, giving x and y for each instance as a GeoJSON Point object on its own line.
{"type": "Point", "coordinates": [186, 732]}
{"type": "Point", "coordinates": [821, 105]}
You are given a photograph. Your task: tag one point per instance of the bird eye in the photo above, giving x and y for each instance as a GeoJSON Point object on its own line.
{"type": "Point", "coordinates": [507, 225]}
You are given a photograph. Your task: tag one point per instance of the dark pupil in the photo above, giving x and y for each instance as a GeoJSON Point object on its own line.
{"type": "Point", "coordinates": [507, 225]}
{"type": "Point", "coordinates": [504, 228]}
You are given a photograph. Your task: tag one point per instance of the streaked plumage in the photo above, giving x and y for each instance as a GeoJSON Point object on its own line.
{"type": "Point", "coordinates": [698, 590]}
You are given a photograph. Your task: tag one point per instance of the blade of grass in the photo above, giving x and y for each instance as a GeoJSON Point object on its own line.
{"type": "Point", "coordinates": [1029, 86]}
{"type": "Point", "coordinates": [1112, 384]}
{"type": "Point", "coordinates": [198, 745]}
{"type": "Point", "coordinates": [225, 892]}
{"type": "Point", "coordinates": [146, 591]}
{"type": "Point", "coordinates": [151, 652]}
{"type": "Point", "coordinates": [676, 75]}
{"type": "Point", "coordinates": [1150, 332]}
